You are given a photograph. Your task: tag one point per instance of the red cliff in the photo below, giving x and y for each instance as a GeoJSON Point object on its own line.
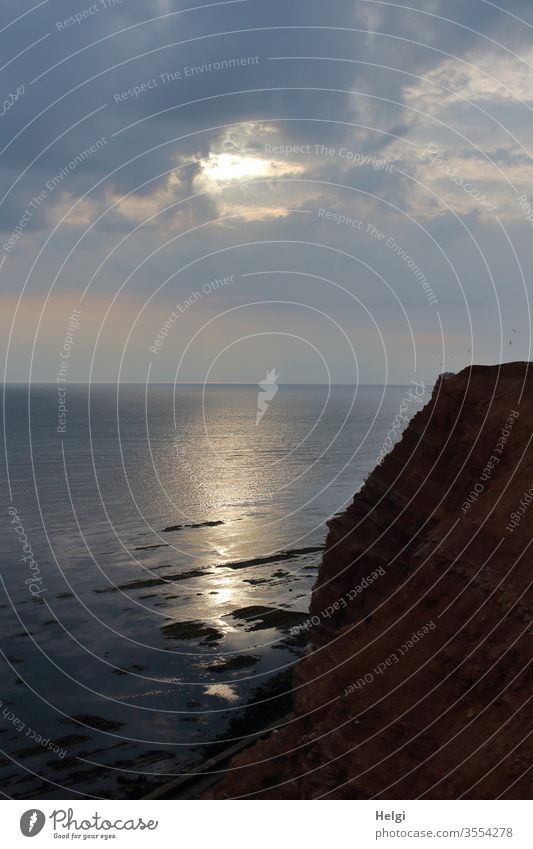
{"type": "Point", "coordinates": [415, 681]}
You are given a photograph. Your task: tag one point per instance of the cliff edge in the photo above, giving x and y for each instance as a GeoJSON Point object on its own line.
{"type": "Point", "coordinates": [416, 679]}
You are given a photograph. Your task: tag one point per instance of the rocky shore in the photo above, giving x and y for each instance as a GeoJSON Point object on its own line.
{"type": "Point", "coordinates": [415, 681]}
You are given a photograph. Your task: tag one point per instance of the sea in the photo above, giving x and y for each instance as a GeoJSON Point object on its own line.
{"type": "Point", "coordinates": [158, 548]}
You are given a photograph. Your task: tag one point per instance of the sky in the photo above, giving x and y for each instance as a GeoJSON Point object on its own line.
{"type": "Point", "coordinates": [340, 191]}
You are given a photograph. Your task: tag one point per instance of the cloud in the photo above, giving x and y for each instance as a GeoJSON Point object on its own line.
{"type": "Point", "coordinates": [188, 100]}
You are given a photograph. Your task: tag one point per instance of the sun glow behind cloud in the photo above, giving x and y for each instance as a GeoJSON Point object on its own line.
{"type": "Point", "coordinates": [226, 167]}
{"type": "Point", "coordinates": [222, 170]}
{"type": "Point", "coordinates": [240, 183]}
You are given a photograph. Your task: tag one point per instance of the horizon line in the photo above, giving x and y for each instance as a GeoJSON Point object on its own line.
{"type": "Point", "coordinates": [181, 383]}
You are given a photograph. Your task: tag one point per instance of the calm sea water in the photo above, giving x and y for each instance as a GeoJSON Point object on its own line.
{"type": "Point", "coordinates": [129, 649]}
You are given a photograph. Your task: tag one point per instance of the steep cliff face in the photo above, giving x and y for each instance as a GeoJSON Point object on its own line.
{"type": "Point", "coordinates": [415, 682]}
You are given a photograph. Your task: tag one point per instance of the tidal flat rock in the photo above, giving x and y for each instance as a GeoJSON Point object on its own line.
{"type": "Point", "coordinates": [191, 630]}
{"type": "Point", "coordinates": [99, 723]}
{"type": "Point", "coordinates": [135, 667]}
{"type": "Point", "coordinates": [241, 661]}
{"type": "Point", "coordinates": [148, 583]}
{"type": "Point", "coordinates": [273, 558]}
{"type": "Point", "coordinates": [172, 528]}
{"type": "Point", "coordinates": [71, 740]}
{"type": "Point", "coordinates": [260, 618]}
